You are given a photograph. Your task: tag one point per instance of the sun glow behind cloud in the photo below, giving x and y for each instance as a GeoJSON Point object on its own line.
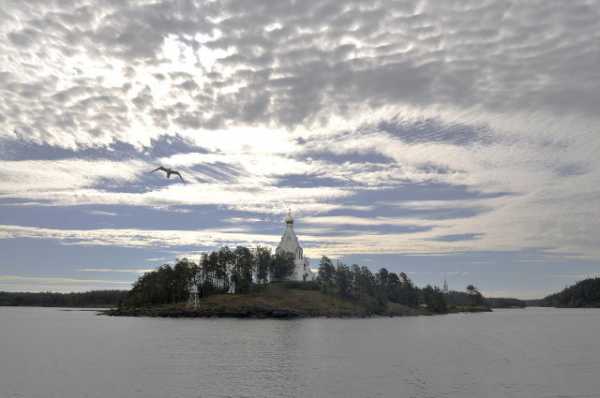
{"type": "Point", "coordinates": [395, 127]}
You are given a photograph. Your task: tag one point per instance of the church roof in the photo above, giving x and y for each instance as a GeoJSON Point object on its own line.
{"type": "Point", "coordinates": [289, 241]}
{"type": "Point", "coordinates": [289, 219]}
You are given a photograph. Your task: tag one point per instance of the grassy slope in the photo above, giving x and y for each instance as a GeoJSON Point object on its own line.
{"type": "Point", "coordinates": [273, 302]}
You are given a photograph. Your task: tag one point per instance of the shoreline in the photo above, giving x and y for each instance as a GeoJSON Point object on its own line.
{"type": "Point", "coordinates": [137, 313]}
{"type": "Point", "coordinates": [268, 312]}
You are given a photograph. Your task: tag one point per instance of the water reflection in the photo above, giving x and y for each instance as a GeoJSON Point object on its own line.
{"type": "Point", "coordinates": [534, 352]}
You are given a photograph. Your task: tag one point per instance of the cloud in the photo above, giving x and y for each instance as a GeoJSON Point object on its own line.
{"type": "Point", "coordinates": [137, 237]}
{"type": "Point", "coordinates": [53, 280]}
{"type": "Point", "coordinates": [367, 221]}
{"type": "Point", "coordinates": [320, 107]}
{"type": "Point", "coordinates": [30, 176]}
{"type": "Point", "coordinates": [156, 66]}
{"type": "Point", "coordinates": [119, 270]}
{"type": "Point", "coordinates": [102, 213]}
{"type": "Point", "coordinates": [316, 244]}
{"type": "Point", "coordinates": [457, 237]}
{"type": "Point", "coordinates": [77, 182]}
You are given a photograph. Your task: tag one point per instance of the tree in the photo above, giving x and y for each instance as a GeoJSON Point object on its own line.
{"type": "Point", "coordinates": [475, 295]}
{"type": "Point", "coordinates": [94, 298]}
{"type": "Point", "coordinates": [225, 263]}
{"type": "Point", "coordinates": [355, 285]}
{"type": "Point", "coordinates": [183, 272]}
{"type": "Point", "coordinates": [282, 266]}
{"type": "Point", "coordinates": [156, 287]}
{"type": "Point", "coordinates": [434, 299]}
{"type": "Point", "coordinates": [199, 279]}
{"type": "Point", "coordinates": [404, 292]}
{"type": "Point", "coordinates": [326, 275]}
{"type": "Point", "coordinates": [383, 285]}
{"type": "Point", "coordinates": [585, 293]}
{"type": "Point", "coordinates": [343, 280]}
{"type": "Point", "coordinates": [404, 279]}
{"type": "Point", "coordinates": [263, 261]}
{"type": "Point", "coordinates": [363, 282]}
{"type": "Point", "coordinates": [241, 275]}
{"type": "Point", "coordinates": [382, 279]}
{"type": "Point", "coordinates": [210, 267]}
{"type": "Point", "coordinates": [394, 288]}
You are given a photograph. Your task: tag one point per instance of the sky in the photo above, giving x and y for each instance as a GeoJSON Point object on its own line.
{"type": "Point", "coordinates": [449, 139]}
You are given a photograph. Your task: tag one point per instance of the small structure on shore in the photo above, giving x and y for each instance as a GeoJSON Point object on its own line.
{"type": "Point", "coordinates": [194, 296]}
{"type": "Point", "coordinates": [289, 243]}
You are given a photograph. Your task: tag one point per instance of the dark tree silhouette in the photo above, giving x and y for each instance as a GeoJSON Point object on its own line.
{"type": "Point", "coordinates": [282, 266]}
{"type": "Point", "coordinates": [94, 298]}
{"type": "Point", "coordinates": [585, 293]}
{"type": "Point", "coordinates": [326, 276]}
{"type": "Point", "coordinates": [263, 263]}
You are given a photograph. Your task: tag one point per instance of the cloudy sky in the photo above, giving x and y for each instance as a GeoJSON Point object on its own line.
{"type": "Point", "coordinates": [455, 139]}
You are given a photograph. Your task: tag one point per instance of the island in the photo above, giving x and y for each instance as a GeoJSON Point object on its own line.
{"type": "Point", "coordinates": [255, 282]}
{"type": "Point", "coordinates": [246, 283]}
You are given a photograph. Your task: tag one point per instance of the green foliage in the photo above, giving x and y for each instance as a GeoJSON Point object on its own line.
{"type": "Point", "coordinates": [241, 274]}
{"type": "Point", "coordinates": [326, 275]}
{"type": "Point", "coordinates": [585, 293]}
{"type": "Point", "coordinates": [434, 299]}
{"type": "Point", "coordinates": [282, 266]}
{"type": "Point", "coordinates": [362, 282]}
{"type": "Point", "coordinates": [476, 298]}
{"type": "Point", "coordinates": [225, 260]}
{"type": "Point", "coordinates": [379, 291]}
{"type": "Point", "coordinates": [374, 291]}
{"type": "Point", "coordinates": [233, 271]}
{"type": "Point", "coordinates": [471, 297]}
{"type": "Point", "coordinates": [263, 264]}
{"type": "Point", "coordinates": [458, 299]}
{"type": "Point", "coordinates": [218, 272]}
{"type": "Point", "coordinates": [165, 285]}
{"type": "Point", "coordinates": [343, 281]}
{"type": "Point", "coordinates": [401, 290]}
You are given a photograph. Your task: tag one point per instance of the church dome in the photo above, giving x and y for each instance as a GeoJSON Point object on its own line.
{"type": "Point", "coordinates": [289, 219]}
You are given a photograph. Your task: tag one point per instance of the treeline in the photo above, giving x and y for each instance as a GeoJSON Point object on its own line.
{"type": "Point", "coordinates": [359, 283]}
{"type": "Point", "coordinates": [222, 271]}
{"type": "Point", "coordinates": [243, 270]}
{"type": "Point", "coordinates": [95, 298]}
{"type": "Point", "coordinates": [470, 297]}
{"type": "Point", "coordinates": [505, 302]}
{"type": "Point", "coordinates": [376, 290]}
{"type": "Point", "coordinates": [585, 293]}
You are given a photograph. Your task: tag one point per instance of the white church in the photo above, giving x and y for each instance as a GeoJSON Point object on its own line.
{"type": "Point", "coordinates": [289, 243]}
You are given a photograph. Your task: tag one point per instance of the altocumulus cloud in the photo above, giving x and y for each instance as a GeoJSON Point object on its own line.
{"type": "Point", "coordinates": [473, 119]}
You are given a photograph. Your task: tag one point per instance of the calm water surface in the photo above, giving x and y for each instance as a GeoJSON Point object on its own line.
{"type": "Point", "coordinates": [49, 353]}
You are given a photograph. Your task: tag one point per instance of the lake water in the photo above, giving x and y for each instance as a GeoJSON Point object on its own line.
{"type": "Point", "coordinates": [49, 353]}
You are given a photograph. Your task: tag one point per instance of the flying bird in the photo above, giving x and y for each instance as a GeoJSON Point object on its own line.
{"type": "Point", "coordinates": [169, 172]}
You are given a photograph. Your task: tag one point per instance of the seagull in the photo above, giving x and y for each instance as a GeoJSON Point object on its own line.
{"type": "Point", "coordinates": [169, 172]}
